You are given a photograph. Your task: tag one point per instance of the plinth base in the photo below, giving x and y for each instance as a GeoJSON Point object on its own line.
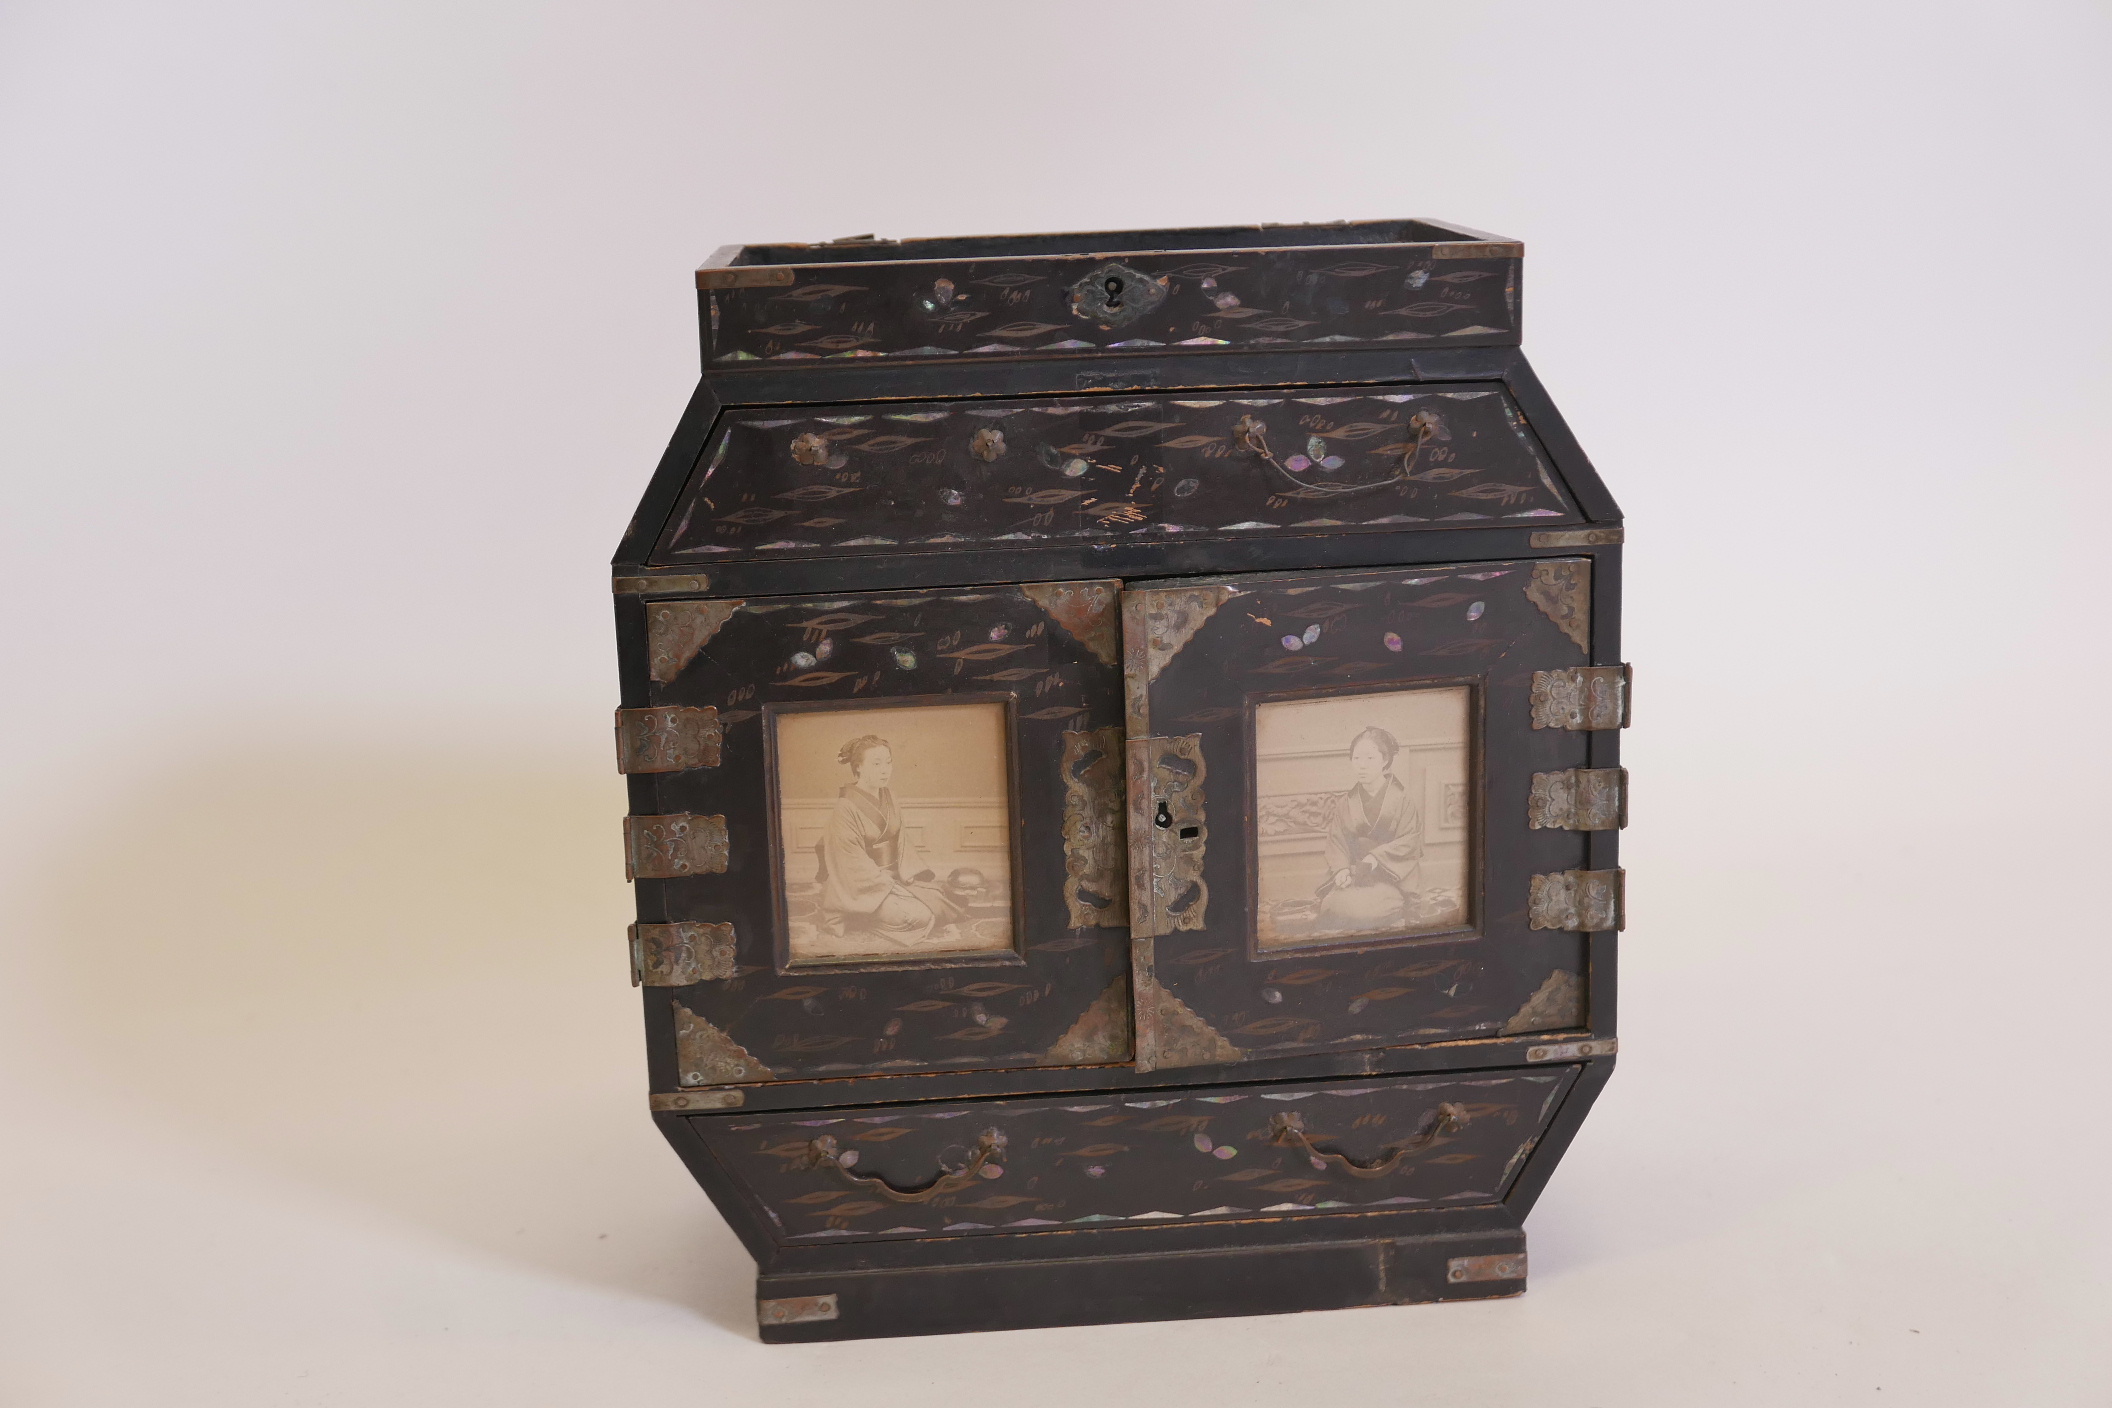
{"type": "Point", "coordinates": [1099, 1290]}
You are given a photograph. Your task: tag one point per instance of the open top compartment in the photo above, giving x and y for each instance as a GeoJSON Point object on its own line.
{"type": "Point", "coordinates": [1372, 283]}
{"type": "Point", "coordinates": [867, 248]}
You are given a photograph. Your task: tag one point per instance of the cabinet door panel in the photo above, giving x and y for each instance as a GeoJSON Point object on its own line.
{"type": "Point", "coordinates": [1331, 781]}
{"type": "Point", "coordinates": [916, 805]}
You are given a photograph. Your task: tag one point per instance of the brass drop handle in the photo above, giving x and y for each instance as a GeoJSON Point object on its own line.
{"type": "Point", "coordinates": [1288, 1127]}
{"type": "Point", "coordinates": [989, 1151]}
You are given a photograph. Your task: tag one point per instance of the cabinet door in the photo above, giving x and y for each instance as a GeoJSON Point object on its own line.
{"type": "Point", "coordinates": [911, 853]}
{"type": "Point", "coordinates": [1333, 779]}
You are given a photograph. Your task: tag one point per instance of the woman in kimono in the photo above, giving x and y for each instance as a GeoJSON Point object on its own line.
{"type": "Point", "coordinates": [873, 882]}
{"type": "Point", "coordinates": [1374, 844]}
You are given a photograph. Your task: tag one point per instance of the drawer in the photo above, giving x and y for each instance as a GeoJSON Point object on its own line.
{"type": "Point", "coordinates": [1208, 1154]}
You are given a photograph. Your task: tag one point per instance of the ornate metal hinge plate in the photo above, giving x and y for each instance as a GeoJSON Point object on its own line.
{"type": "Point", "coordinates": [676, 955]}
{"type": "Point", "coordinates": [1583, 901]}
{"type": "Point", "coordinates": [667, 847]}
{"type": "Point", "coordinates": [1579, 799]}
{"type": "Point", "coordinates": [1587, 697]}
{"type": "Point", "coordinates": [667, 740]}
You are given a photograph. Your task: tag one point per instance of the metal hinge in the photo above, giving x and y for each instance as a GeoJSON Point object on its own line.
{"type": "Point", "coordinates": [1587, 697]}
{"type": "Point", "coordinates": [1584, 901]}
{"type": "Point", "coordinates": [676, 955]}
{"type": "Point", "coordinates": [667, 739]}
{"type": "Point", "coordinates": [667, 847]}
{"type": "Point", "coordinates": [1579, 799]}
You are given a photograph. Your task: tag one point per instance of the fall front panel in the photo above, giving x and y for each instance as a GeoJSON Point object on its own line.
{"type": "Point", "coordinates": [921, 863]}
{"type": "Point", "coordinates": [802, 482]}
{"type": "Point", "coordinates": [1332, 833]}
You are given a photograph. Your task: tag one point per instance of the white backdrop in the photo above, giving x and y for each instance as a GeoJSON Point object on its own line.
{"type": "Point", "coordinates": [341, 337]}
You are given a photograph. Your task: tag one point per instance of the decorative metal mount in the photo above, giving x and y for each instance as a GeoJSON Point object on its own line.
{"type": "Point", "coordinates": [796, 1310]}
{"type": "Point", "coordinates": [1095, 860]}
{"type": "Point", "coordinates": [1578, 538]}
{"type": "Point", "coordinates": [669, 739]}
{"type": "Point", "coordinates": [704, 1055]}
{"type": "Point", "coordinates": [673, 582]}
{"type": "Point", "coordinates": [676, 1102]}
{"type": "Point", "coordinates": [1508, 1267]}
{"type": "Point", "coordinates": [1587, 697]}
{"type": "Point", "coordinates": [1583, 901]}
{"type": "Point", "coordinates": [1572, 1050]}
{"type": "Point", "coordinates": [1168, 835]}
{"type": "Point", "coordinates": [676, 630]}
{"type": "Point", "coordinates": [1579, 799]}
{"type": "Point", "coordinates": [1562, 591]}
{"type": "Point", "coordinates": [676, 955]}
{"type": "Point", "coordinates": [1114, 294]}
{"type": "Point", "coordinates": [669, 847]}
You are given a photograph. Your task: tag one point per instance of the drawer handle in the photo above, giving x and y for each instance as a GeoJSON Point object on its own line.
{"type": "Point", "coordinates": [989, 1151]}
{"type": "Point", "coordinates": [1288, 1127]}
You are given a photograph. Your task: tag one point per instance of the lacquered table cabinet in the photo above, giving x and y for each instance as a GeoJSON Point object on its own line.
{"type": "Point", "coordinates": [1123, 745]}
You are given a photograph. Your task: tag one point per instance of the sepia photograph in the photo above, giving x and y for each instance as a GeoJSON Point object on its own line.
{"type": "Point", "coordinates": [894, 824]}
{"type": "Point", "coordinates": [1360, 814]}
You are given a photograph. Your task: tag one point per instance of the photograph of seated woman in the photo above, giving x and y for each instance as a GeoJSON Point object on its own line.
{"type": "Point", "coordinates": [874, 882]}
{"type": "Point", "coordinates": [1360, 839]}
{"type": "Point", "coordinates": [1374, 844]}
{"type": "Point", "coordinates": [896, 828]}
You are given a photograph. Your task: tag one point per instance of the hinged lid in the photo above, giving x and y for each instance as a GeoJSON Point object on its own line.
{"type": "Point", "coordinates": [1373, 283]}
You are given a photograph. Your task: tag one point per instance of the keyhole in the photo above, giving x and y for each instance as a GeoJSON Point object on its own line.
{"type": "Point", "coordinates": [1164, 818]}
{"type": "Point", "coordinates": [1114, 293]}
